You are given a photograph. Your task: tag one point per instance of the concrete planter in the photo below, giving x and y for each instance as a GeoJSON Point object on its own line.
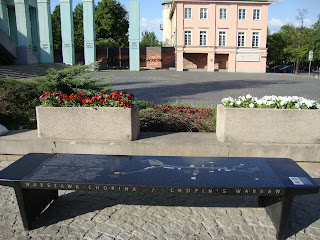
{"type": "Point", "coordinates": [244, 125]}
{"type": "Point", "coordinates": [86, 123]}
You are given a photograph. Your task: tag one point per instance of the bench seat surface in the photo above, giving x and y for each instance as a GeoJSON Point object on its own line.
{"type": "Point", "coordinates": [162, 171]}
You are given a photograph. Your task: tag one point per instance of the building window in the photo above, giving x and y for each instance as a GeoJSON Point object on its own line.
{"type": "Point", "coordinates": [255, 39]}
{"type": "Point", "coordinates": [187, 38]}
{"type": "Point", "coordinates": [241, 39]}
{"type": "Point", "coordinates": [203, 38]}
{"type": "Point", "coordinates": [188, 13]}
{"type": "Point", "coordinates": [203, 13]}
{"type": "Point", "coordinates": [256, 14]}
{"type": "Point", "coordinates": [222, 38]}
{"type": "Point", "coordinates": [223, 13]}
{"type": "Point", "coordinates": [242, 14]}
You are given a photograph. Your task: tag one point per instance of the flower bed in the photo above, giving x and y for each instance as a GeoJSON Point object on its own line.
{"type": "Point", "coordinates": [271, 119]}
{"type": "Point", "coordinates": [114, 99]}
{"type": "Point", "coordinates": [105, 117]}
{"type": "Point", "coordinates": [168, 118]}
{"type": "Point", "coordinates": [274, 102]}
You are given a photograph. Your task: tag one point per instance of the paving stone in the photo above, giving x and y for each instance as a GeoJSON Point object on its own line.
{"type": "Point", "coordinates": [77, 216]}
{"type": "Point", "coordinates": [143, 235]}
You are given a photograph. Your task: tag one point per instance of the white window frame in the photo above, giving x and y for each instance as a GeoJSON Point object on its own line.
{"type": "Point", "coordinates": [255, 39]}
{"type": "Point", "coordinates": [223, 11]}
{"type": "Point", "coordinates": [203, 38]}
{"type": "Point", "coordinates": [242, 14]}
{"type": "Point", "coordinates": [203, 13]}
{"type": "Point", "coordinates": [242, 43]}
{"type": "Point", "coordinates": [187, 13]}
{"type": "Point", "coordinates": [187, 37]}
{"type": "Point", "coordinates": [256, 14]}
{"type": "Point", "coordinates": [222, 34]}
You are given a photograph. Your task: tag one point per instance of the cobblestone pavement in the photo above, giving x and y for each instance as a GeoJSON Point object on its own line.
{"type": "Point", "coordinates": [81, 215]}
{"type": "Point", "coordinates": [207, 88]}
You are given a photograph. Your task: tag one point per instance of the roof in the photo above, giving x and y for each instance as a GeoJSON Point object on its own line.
{"type": "Point", "coordinates": [168, 1]}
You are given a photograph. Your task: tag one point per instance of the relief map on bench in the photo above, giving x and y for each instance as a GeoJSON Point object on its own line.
{"type": "Point", "coordinates": [197, 174]}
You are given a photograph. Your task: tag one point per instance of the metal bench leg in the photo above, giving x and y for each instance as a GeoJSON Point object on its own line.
{"type": "Point", "coordinates": [278, 209]}
{"type": "Point", "coordinates": [32, 202]}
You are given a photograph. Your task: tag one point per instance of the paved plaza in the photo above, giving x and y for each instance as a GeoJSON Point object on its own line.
{"type": "Point", "coordinates": [82, 215]}
{"type": "Point", "coordinates": [208, 88]}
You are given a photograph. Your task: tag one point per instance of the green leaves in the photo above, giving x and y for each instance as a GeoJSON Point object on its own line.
{"type": "Point", "coordinates": [111, 22]}
{"type": "Point", "coordinates": [149, 39]}
{"type": "Point", "coordinates": [74, 79]}
{"type": "Point", "coordinates": [293, 42]}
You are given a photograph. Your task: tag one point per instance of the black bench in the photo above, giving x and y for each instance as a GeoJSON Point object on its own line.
{"type": "Point", "coordinates": [37, 178]}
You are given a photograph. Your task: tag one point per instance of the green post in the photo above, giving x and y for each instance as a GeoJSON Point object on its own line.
{"type": "Point", "coordinates": [45, 31]}
{"type": "Point", "coordinates": [67, 32]}
{"type": "Point", "coordinates": [4, 17]}
{"type": "Point", "coordinates": [89, 32]}
{"type": "Point", "coordinates": [13, 24]}
{"type": "Point", "coordinates": [134, 35]}
{"type": "Point", "coordinates": [23, 23]}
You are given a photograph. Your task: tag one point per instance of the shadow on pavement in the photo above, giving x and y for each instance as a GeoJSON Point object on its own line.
{"type": "Point", "coordinates": [162, 94]}
{"type": "Point", "coordinates": [305, 210]}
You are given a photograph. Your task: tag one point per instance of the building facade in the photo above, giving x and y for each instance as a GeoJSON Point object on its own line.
{"type": "Point", "coordinates": [224, 35]}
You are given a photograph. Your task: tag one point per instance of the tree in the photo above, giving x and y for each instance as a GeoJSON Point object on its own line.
{"type": "Point", "coordinates": [78, 25]}
{"type": "Point", "coordinates": [276, 45]}
{"type": "Point", "coordinates": [315, 39]}
{"type": "Point", "coordinates": [149, 39]}
{"type": "Point", "coordinates": [301, 15]}
{"type": "Point", "coordinates": [56, 28]}
{"type": "Point", "coordinates": [297, 44]}
{"type": "Point", "coordinates": [112, 22]}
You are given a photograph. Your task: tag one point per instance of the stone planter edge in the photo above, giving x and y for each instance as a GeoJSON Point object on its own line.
{"type": "Point", "coordinates": [283, 126]}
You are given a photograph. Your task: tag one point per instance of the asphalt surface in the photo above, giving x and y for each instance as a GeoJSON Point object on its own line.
{"type": "Point", "coordinates": [209, 88]}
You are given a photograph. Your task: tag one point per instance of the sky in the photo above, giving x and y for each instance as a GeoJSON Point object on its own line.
{"type": "Point", "coordinates": [281, 12]}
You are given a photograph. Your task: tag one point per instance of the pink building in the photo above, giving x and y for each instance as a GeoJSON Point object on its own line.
{"type": "Point", "coordinates": [224, 35]}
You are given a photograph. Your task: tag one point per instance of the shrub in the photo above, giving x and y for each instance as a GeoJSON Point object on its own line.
{"type": "Point", "coordinates": [18, 101]}
{"type": "Point", "coordinates": [142, 104]}
{"type": "Point", "coordinates": [20, 97]}
{"type": "Point", "coordinates": [166, 118]}
{"type": "Point", "coordinates": [75, 79]}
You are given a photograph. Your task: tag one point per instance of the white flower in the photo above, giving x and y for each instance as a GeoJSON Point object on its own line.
{"type": "Point", "coordinates": [259, 101]}
{"type": "Point", "coordinates": [286, 101]}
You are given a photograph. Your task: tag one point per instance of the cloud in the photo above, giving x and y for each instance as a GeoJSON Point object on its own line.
{"type": "Point", "coordinates": [277, 1]}
{"type": "Point", "coordinates": [150, 25]}
{"type": "Point", "coordinates": [275, 24]}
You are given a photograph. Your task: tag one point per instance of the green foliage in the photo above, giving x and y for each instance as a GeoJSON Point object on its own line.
{"type": "Point", "coordinates": [276, 45]}
{"type": "Point", "coordinates": [111, 25]}
{"type": "Point", "coordinates": [315, 39]}
{"type": "Point", "coordinates": [74, 79]}
{"type": "Point", "coordinates": [20, 97]}
{"type": "Point", "coordinates": [18, 101]}
{"type": "Point", "coordinates": [112, 21]}
{"type": "Point", "coordinates": [107, 43]}
{"type": "Point", "coordinates": [149, 39]}
{"type": "Point", "coordinates": [78, 26]}
{"type": "Point", "coordinates": [292, 43]}
{"type": "Point", "coordinates": [56, 28]}
{"type": "Point", "coordinates": [165, 118]}
{"type": "Point", "coordinates": [142, 104]}
{"type": "Point", "coordinates": [297, 42]}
